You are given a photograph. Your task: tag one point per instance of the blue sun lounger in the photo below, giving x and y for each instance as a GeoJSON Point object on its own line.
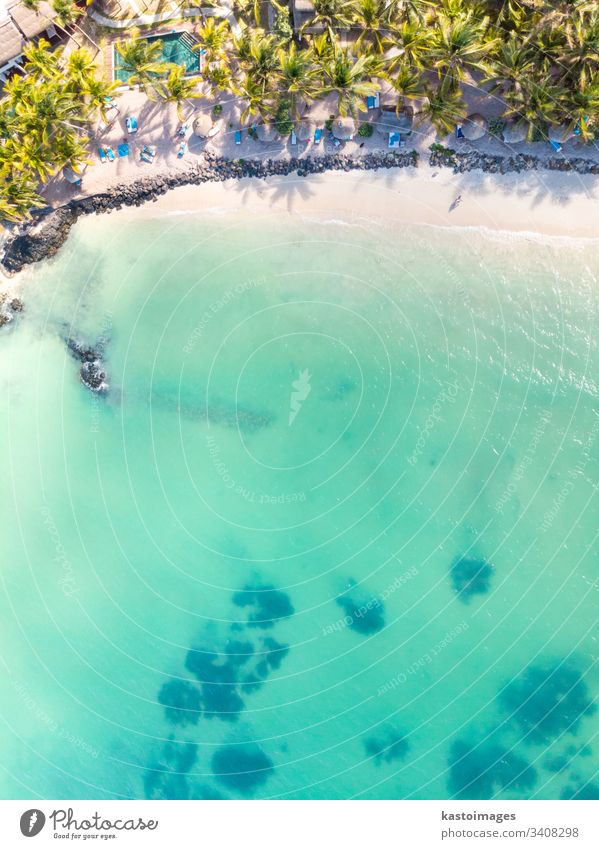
{"type": "Point", "coordinates": [238, 137]}
{"type": "Point", "coordinates": [182, 149]}
{"type": "Point", "coordinates": [110, 154]}
{"type": "Point", "coordinates": [555, 145]}
{"type": "Point", "coordinates": [317, 135]}
{"type": "Point", "coordinates": [131, 124]}
{"type": "Point", "coordinates": [373, 101]}
{"type": "Point", "coordinates": [293, 137]}
{"type": "Point", "coordinates": [102, 155]}
{"type": "Point", "coordinates": [458, 131]}
{"type": "Point", "coordinates": [394, 139]}
{"type": "Point", "coordinates": [123, 150]}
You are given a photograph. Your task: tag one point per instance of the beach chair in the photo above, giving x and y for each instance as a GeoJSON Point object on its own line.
{"type": "Point", "coordinates": [394, 139]}
{"type": "Point", "coordinates": [238, 137]}
{"type": "Point", "coordinates": [110, 154]}
{"type": "Point", "coordinates": [182, 131]}
{"type": "Point", "coordinates": [458, 131]}
{"type": "Point", "coordinates": [102, 155]}
{"type": "Point", "coordinates": [145, 157]}
{"type": "Point", "coordinates": [182, 149]}
{"type": "Point", "coordinates": [293, 137]}
{"type": "Point", "coordinates": [317, 135]}
{"type": "Point", "coordinates": [123, 150]}
{"type": "Point", "coordinates": [555, 145]}
{"type": "Point", "coordinates": [131, 124]}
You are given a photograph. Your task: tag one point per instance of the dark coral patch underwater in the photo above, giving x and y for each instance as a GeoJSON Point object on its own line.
{"type": "Point", "coordinates": [242, 767]}
{"type": "Point", "coordinates": [548, 700]}
{"type": "Point", "coordinates": [479, 771]}
{"type": "Point", "coordinates": [270, 605]}
{"type": "Point", "coordinates": [363, 614]}
{"type": "Point", "coordinates": [387, 746]}
{"type": "Point", "coordinates": [470, 576]}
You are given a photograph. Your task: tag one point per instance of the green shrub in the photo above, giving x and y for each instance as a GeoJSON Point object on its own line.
{"type": "Point", "coordinates": [366, 130]}
{"type": "Point", "coordinates": [329, 122]}
{"type": "Point", "coordinates": [283, 121]}
{"type": "Point", "coordinates": [282, 26]}
{"type": "Point", "coordinates": [217, 109]}
{"type": "Point", "coordinates": [496, 126]}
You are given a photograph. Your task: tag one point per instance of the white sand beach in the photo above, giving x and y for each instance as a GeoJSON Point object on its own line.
{"type": "Point", "coordinates": [539, 202]}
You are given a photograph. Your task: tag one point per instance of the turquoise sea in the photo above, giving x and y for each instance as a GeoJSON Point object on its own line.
{"type": "Point", "coordinates": [330, 533]}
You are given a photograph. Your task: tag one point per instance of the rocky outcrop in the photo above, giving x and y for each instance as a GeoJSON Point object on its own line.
{"type": "Point", "coordinates": [9, 306]}
{"type": "Point", "coordinates": [49, 230]}
{"type": "Point", "coordinates": [92, 372]}
{"type": "Point", "coordinates": [474, 160]}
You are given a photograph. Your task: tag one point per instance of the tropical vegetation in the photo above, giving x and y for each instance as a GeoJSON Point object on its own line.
{"type": "Point", "coordinates": [538, 60]}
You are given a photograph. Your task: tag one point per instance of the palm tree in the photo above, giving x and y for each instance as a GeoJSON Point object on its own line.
{"type": "Point", "coordinates": [444, 107]}
{"type": "Point", "coordinates": [252, 93]}
{"type": "Point", "coordinates": [458, 45]}
{"type": "Point", "coordinates": [18, 196]}
{"type": "Point", "coordinates": [41, 60]}
{"type": "Point", "coordinates": [218, 76]}
{"type": "Point", "coordinates": [330, 15]}
{"type": "Point", "coordinates": [177, 89]}
{"type": "Point", "coordinates": [376, 21]}
{"type": "Point", "coordinates": [98, 94]}
{"type": "Point", "coordinates": [413, 42]}
{"type": "Point", "coordinates": [515, 58]}
{"type": "Point", "coordinates": [537, 100]}
{"type": "Point", "coordinates": [298, 77]}
{"type": "Point", "coordinates": [213, 36]}
{"type": "Point", "coordinates": [409, 83]}
{"type": "Point", "coordinates": [257, 54]}
{"type": "Point", "coordinates": [66, 11]}
{"type": "Point", "coordinates": [141, 60]}
{"type": "Point", "coordinates": [350, 79]}
{"type": "Point", "coordinates": [583, 107]}
{"type": "Point", "coordinates": [581, 51]}
{"type": "Point", "coordinates": [80, 65]}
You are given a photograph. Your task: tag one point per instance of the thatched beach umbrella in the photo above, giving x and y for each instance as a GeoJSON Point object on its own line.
{"type": "Point", "coordinates": [474, 127]}
{"type": "Point", "coordinates": [515, 132]}
{"type": "Point", "coordinates": [304, 130]}
{"type": "Point", "coordinates": [559, 133]}
{"type": "Point", "coordinates": [202, 125]}
{"type": "Point", "coordinates": [344, 129]}
{"type": "Point", "coordinates": [267, 133]}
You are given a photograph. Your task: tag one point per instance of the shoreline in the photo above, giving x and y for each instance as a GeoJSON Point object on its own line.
{"type": "Point", "coordinates": [517, 193]}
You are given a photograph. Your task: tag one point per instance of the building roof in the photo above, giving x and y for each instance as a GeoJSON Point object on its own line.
{"type": "Point", "coordinates": [11, 42]}
{"type": "Point", "coordinates": [31, 22]}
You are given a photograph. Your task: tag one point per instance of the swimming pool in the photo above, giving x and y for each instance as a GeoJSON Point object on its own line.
{"type": "Point", "coordinates": [177, 47]}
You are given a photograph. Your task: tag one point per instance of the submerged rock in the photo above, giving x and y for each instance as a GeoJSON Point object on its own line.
{"type": "Point", "coordinates": [92, 371]}
{"type": "Point", "coordinates": [93, 376]}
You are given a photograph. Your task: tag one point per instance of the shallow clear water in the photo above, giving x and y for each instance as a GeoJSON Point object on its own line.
{"type": "Point", "coordinates": [332, 531]}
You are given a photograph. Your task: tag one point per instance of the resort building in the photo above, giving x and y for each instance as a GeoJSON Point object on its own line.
{"type": "Point", "coordinates": [18, 25]}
